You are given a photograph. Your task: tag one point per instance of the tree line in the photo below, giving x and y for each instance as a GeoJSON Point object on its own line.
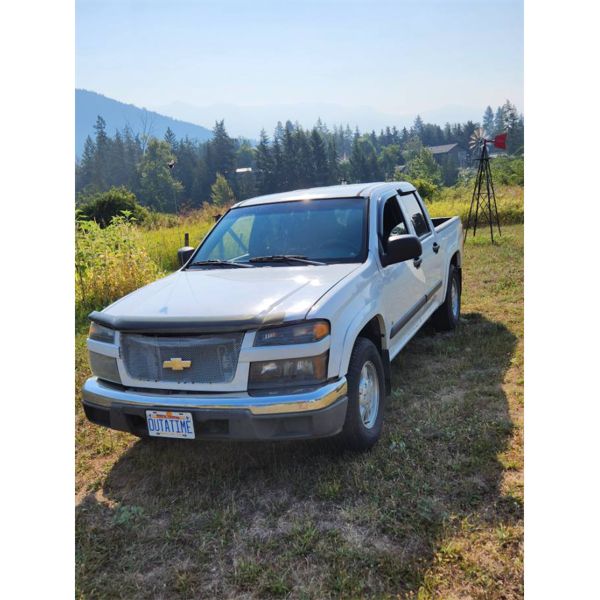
{"type": "Point", "coordinates": [169, 175]}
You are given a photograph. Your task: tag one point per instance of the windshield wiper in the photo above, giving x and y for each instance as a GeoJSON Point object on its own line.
{"type": "Point", "coordinates": [218, 263]}
{"type": "Point", "coordinates": [285, 258]}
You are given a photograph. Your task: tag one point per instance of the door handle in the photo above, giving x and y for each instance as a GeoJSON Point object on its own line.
{"type": "Point", "coordinates": [436, 247]}
{"type": "Point", "coordinates": [417, 262]}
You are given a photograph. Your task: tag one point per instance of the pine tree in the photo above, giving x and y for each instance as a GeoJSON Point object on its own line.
{"type": "Point", "coordinates": [418, 127]}
{"type": "Point", "coordinates": [333, 175]}
{"type": "Point", "coordinates": [84, 172]}
{"type": "Point", "coordinates": [101, 156]}
{"type": "Point", "coordinates": [304, 159]}
{"type": "Point", "coordinates": [499, 121]}
{"type": "Point", "coordinates": [289, 161]}
{"type": "Point", "coordinates": [265, 183]}
{"type": "Point", "coordinates": [171, 138]}
{"type": "Point", "coordinates": [488, 121]}
{"type": "Point", "coordinates": [319, 158]}
{"type": "Point", "coordinates": [221, 157]}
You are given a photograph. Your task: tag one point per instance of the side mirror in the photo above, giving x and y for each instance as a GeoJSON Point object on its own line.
{"type": "Point", "coordinates": [183, 254]}
{"type": "Point", "coordinates": [404, 247]}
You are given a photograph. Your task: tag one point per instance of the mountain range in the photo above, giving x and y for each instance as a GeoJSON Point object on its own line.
{"type": "Point", "coordinates": [248, 120]}
{"type": "Point", "coordinates": [240, 120]}
{"type": "Point", "coordinates": [88, 105]}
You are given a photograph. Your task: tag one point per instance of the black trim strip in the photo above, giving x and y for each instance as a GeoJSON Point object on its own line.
{"type": "Point", "coordinates": [435, 288]}
{"type": "Point", "coordinates": [408, 316]}
{"type": "Point", "coordinates": [414, 310]}
{"type": "Point", "coordinates": [181, 324]}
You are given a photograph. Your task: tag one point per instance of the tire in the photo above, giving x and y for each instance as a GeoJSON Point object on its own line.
{"type": "Point", "coordinates": [362, 430]}
{"type": "Point", "coordinates": [446, 317]}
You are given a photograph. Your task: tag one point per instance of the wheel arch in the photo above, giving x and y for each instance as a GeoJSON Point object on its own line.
{"type": "Point", "coordinates": [373, 329]}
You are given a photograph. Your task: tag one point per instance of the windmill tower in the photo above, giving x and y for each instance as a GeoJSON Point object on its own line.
{"type": "Point", "coordinates": [483, 201]}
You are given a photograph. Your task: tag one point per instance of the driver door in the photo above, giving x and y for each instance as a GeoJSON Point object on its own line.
{"type": "Point", "coordinates": [402, 282]}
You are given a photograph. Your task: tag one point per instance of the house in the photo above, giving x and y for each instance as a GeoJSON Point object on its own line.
{"type": "Point", "coordinates": [445, 151]}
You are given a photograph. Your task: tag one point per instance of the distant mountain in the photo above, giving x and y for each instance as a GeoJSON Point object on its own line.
{"type": "Point", "coordinates": [247, 121]}
{"type": "Point", "coordinates": [88, 105]}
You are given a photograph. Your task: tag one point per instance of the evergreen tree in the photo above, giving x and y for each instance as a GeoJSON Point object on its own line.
{"type": "Point", "coordinates": [333, 175]}
{"type": "Point", "coordinates": [101, 156]}
{"type": "Point", "coordinates": [319, 159]}
{"type": "Point", "coordinates": [499, 121]}
{"type": "Point", "coordinates": [265, 171]}
{"type": "Point", "coordinates": [289, 163]}
{"type": "Point", "coordinates": [304, 159]}
{"type": "Point", "coordinates": [84, 172]}
{"type": "Point", "coordinates": [170, 138]}
{"type": "Point", "coordinates": [488, 121]}
{"type": "Point", "coordinates": [221, 156]}
{"type": "Point", "coordinates": [418, 127]}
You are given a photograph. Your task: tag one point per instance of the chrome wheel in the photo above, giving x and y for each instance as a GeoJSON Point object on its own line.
{"type": "Point", "coordinates": [454, 299]}
{"type": "Point", "coordinates": [368, 394]}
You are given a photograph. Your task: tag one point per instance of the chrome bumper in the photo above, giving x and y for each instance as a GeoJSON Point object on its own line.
{"type": "Point", "coordinates": [105, 395]}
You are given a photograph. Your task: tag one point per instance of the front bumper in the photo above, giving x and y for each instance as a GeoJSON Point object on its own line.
{"type": "Point", "coordinates": [316, 412]}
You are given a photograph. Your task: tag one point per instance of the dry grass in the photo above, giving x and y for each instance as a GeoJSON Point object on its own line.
{"type": "Point", "coordinates": [434, 511]}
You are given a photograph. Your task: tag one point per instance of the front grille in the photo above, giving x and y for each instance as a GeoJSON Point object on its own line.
{"type": "Point", "coordinates": [213, 358]}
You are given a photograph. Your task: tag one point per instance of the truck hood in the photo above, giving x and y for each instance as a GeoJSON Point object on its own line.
{"type": "Point", "coordinates": [204, 299]}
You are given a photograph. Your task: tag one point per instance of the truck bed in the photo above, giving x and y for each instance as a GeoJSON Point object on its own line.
{"type": "Point", "coordinates": [439, 221]}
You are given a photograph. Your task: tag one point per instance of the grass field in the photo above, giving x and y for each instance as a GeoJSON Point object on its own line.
{"type": "Point", "coordinates": [435, 510]}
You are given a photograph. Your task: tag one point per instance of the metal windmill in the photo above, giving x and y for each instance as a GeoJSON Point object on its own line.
{"type": "Point", "coordinates": [484, 198]}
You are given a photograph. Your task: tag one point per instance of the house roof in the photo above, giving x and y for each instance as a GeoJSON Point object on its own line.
{"type": "Point", "coordinates": [443, 149]}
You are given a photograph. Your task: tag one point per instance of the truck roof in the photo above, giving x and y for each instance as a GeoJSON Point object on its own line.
{"type": "Point", "coordinates": [354, 190]}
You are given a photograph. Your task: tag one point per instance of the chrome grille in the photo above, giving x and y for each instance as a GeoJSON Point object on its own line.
{"type": "Point", "coordinates": [214, 358]}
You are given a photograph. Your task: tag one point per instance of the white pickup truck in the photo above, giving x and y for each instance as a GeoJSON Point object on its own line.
{"type": "Point", "coordinates": [282, 324]}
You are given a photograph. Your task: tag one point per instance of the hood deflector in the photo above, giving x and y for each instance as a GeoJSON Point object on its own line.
{"type": "Point", "coordinates": [183, 324]}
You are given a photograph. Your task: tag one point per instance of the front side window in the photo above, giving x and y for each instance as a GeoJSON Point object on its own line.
{"type": "Point", "coordinates": [416, 215]}
{"type": "Point", "coordinates": [393, 221]}
{"type": "Point", "coordinates": [321, 230]}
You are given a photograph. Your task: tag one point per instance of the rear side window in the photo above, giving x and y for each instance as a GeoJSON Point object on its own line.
{"type": "Point", "coordinates": [415, 213]}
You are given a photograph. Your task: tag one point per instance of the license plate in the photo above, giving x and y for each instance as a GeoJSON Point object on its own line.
{"type": "Point", "coordinates": [170, 424]}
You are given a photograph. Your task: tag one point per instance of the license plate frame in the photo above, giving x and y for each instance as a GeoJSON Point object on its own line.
{"type": "Point", "coordinates": [170, 424]}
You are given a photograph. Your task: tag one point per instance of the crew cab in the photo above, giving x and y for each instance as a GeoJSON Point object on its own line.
{"type": "Point", "coordinates": [283, 323]}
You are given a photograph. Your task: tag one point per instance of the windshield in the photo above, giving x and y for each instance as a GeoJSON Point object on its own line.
{"type": "Point", "coordinates": [320, 230]}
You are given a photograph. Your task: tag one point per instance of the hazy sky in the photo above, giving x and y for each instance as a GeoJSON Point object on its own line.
{"type": "Point", "coordinates": [398, 56]}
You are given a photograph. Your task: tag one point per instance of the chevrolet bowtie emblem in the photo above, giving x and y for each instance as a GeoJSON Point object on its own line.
{"type": "Point", "coordinates": [176, 364]}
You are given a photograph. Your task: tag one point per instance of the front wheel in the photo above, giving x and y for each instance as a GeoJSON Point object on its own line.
{"type": "Point", "coordinates": [447, 315]}
{"type": "Point", "coordinates": [366, 395]}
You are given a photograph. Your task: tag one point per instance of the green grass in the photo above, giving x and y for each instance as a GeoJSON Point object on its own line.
{"type": "Point", "coordinates": [162, 244]}
{"type": "Point", "coordinates": [435, 510]}
{"type": "Point", "coordinates": [457, 201]}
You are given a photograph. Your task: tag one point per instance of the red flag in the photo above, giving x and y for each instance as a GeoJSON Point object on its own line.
{"type": "Point", "coordinates": [500, 141]}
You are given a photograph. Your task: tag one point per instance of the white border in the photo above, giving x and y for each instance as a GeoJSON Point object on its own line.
{"type": "Point", "coordinates": [37, 299]}
{"type": "Point", "coordinates": [562, 408]}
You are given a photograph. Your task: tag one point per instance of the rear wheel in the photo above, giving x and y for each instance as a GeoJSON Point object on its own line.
{"type": "Point", "coordinates": [447, 315]}
{"type": "Point", "coordinates": [366, 395]}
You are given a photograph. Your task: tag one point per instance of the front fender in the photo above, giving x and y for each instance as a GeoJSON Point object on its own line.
{"type": "Point", "coordinates": [356, 325]}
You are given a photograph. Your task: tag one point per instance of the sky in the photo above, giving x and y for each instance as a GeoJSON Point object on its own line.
{"type": "Point", "coordinates": [396, 57]}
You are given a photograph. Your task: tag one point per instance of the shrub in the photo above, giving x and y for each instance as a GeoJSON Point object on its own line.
{"type": "Point", "coordinates": [110, 262]}
{"type": "Point", "coordinates": [508, 170]}
{"type": "Point", "coordinates": [427, 189]}
{"type": "Point", "coordinates": [117, 201]}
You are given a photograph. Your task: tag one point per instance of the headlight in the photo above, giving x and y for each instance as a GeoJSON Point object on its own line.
{"type": "Point", "coordinates": [288, 372]}
{"type": "Point", "coordinates": [300, 333]}
{"type": "Point", "coordinates": [101, 333]}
